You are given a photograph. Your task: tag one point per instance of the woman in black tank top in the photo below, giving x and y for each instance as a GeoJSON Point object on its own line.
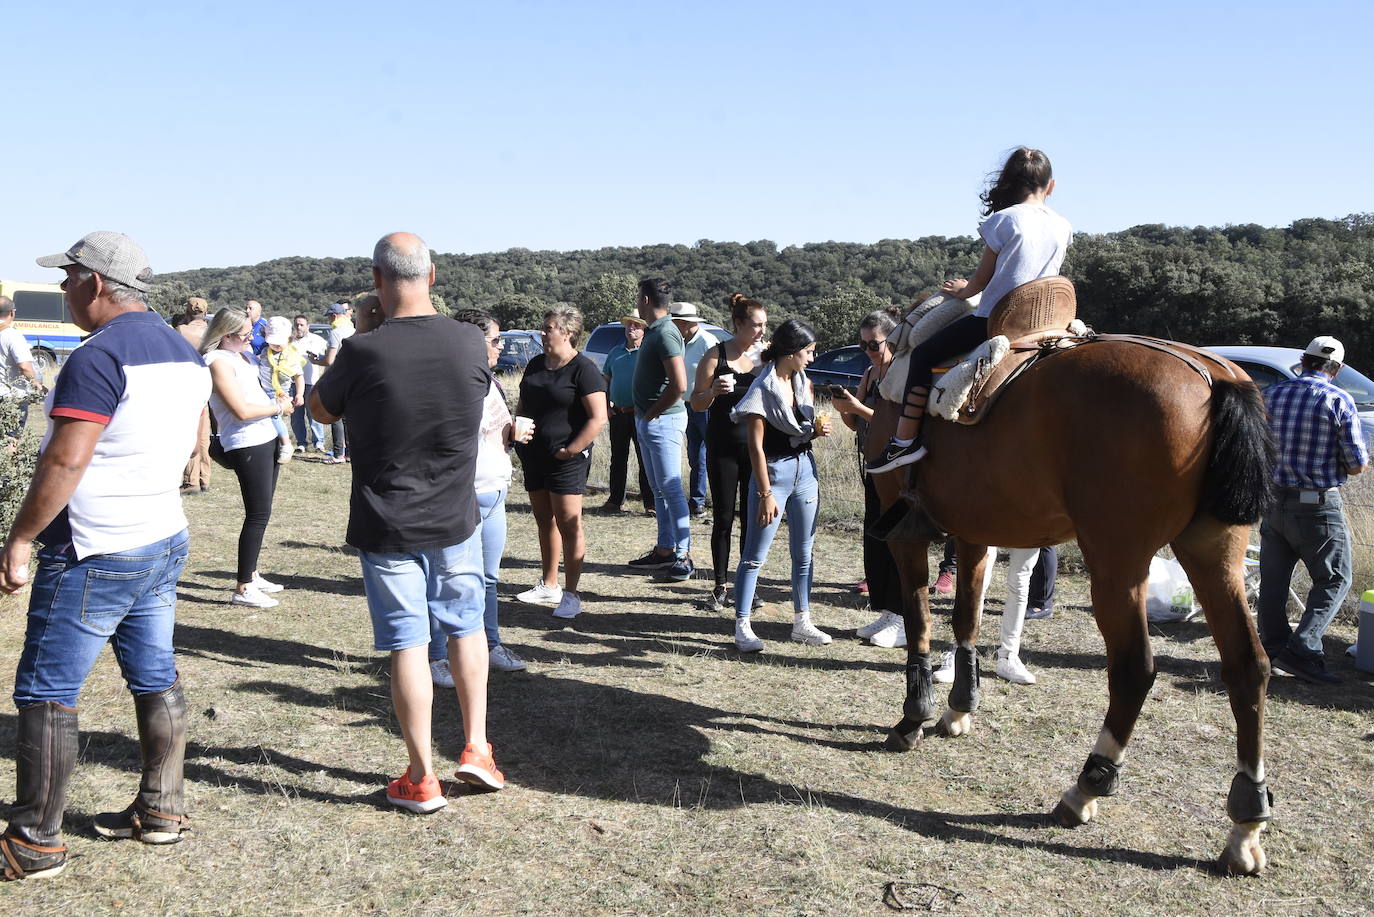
{"type": "Point", "coordinates": [723, 376]}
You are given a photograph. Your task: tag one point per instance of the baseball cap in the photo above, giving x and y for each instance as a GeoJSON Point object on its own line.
{"type": "Point", "coordinates": [337, 308]}
{"type": "Point", "coordinates": [278, 331]}
{"type": "Point", "coordinates": [110, 254]}
{"type": "Point", "coordinates": [685, 311]}
{"type": "Point", "coordinates": [633, 320]}
{"type": "Point", "coordinates": [1328, 348]}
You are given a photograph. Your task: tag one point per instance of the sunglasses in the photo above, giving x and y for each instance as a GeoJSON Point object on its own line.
{"type": "Point", "coordinates": [873, 346]}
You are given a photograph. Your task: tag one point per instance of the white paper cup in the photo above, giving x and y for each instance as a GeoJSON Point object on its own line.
{"type": "Point", "coordinates": [524, 427]}
{"type": "Point", "coordinates": [728, 382]}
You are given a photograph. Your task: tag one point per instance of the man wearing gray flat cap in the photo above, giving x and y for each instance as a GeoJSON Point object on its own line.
{"type": "Point", "coordinates": [104, 506]}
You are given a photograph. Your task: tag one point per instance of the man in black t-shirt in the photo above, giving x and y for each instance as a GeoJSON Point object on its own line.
{"type": "Point", "coordinates": [410, 385]}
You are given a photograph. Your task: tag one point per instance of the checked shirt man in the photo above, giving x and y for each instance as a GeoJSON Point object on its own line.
{"type": "Point", "coordinates": [1317, 432]}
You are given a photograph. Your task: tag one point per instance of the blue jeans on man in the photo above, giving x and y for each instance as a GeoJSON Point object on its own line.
{"type": "Point", "coordinates": [410, 591]}
{"type": "Point", "coordinates": [1314, 533]}
{"type": "Point", "coordinates": [797, 493]}
{"type": "Point", "coordinates": [127, 599]}
{"type": "Point", "coordinates": [696, 460]}
{"type": "Point", "coordinates": [660, 445]}
{"type": "Point", "coordinates": [301, 421]}
{"type": "Point", "coordinates": [491, 507]}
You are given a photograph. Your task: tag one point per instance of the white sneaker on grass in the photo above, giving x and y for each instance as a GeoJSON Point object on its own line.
{"type": "Point", "coordinates": [541, 595]}
{"type": "Point", "coordinates": [503, 660]}
{"type": "Point", "coordinates": [283, 453]}
{"type": "Point", "coordinates": [569, 605]}
{"type": "Point", "coordinates": [883, 620]}
{"type": "Point", "coordinates": [253, 597]}
{"type": "Point", "coordinates": [803, 631]}
{"type": "Point", "coordinates": [745, 641]}
{"type": "Point", "coordinates": [1013, 669]}
{"type": "Point", "coordinates": [945, 673]}
{"type": "Point", "coordinates": [440, 673]}
{"type": "Point", "coordinates": [264, 586]}
{"type": "Point", "coordinates": [891, 635]}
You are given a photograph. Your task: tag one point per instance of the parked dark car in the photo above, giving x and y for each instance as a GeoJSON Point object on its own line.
{"type": "Point", "coordinates": [517, 349]}
{"type": "Point", "coordinates": [842, 366]}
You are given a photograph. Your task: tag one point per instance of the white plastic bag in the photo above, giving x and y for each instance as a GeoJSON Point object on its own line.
{"type": "Point", "coordinates": [1170, 597]}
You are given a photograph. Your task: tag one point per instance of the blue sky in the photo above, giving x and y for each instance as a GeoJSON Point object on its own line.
{"type": "Point", "coordinates": [219, 134]}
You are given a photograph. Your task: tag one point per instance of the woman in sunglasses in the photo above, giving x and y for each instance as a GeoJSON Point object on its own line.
{"type": "Point", "coordinates": [884, 586]}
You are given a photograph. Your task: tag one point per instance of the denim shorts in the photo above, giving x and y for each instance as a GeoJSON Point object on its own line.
{"type": "Point", "coordinates": [405, 590]}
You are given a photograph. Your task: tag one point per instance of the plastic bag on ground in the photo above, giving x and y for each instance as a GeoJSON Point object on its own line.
{"type": "Point", "coordinates": [1170, 596]}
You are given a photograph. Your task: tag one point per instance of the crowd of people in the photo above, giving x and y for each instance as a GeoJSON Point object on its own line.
{"type": "Point", "coordinates": [411, 402]}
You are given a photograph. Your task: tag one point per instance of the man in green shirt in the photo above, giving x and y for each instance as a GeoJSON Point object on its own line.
{"type": "Point", "coordinates": [660, 381]}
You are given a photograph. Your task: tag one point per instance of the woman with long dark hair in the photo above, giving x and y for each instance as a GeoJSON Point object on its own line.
{"type": "Point", "coordinates": [243, 415]}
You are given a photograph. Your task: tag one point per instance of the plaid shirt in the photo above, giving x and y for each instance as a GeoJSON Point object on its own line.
{"type": "Point", "coordinates": [1317, 432]}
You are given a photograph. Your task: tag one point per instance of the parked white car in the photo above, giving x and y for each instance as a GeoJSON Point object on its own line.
{"type": "Point", "coordinates": [604, 338]}
{"type": "Point", "coordinates": [1267, 365]}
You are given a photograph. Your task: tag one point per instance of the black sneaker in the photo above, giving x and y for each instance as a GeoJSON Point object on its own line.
{"type": "Point", "coordinates": [895, 456]}
{"type": "Point", "coordinates": [1310, 669]}
{"type": "Point", "coordinates": [653, 561]}
{"type": "Point", "coordinates": [681, 569]}
{"type": "Point", "coordinates": [1039, 613]}
{"type": "Point", "coordinates": [719, 600]}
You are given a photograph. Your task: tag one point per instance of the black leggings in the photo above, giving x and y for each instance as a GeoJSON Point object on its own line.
{"type": "Point", "coordinates": [729, 474]}
{"type": "Point", "coordinates": [959, 337]}
{"type": "Point", "coordinates": [884, 584]}
{"type": "Point", "coordinates": [256, 468]}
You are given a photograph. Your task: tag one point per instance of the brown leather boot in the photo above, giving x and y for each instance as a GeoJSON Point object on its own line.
{"type": "Point", "coordinates": [158, 813]}
{"type": "Point", "coordinates": [31, 847]}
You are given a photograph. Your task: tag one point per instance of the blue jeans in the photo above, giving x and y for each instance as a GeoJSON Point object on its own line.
{"type": "Point", "coordinates": [797, 494]}
{"type": "Point", "coordinates": [300, 418]}
{"type": "Point", "coordinates": [1314, 533]}
{"type": "Point", "coordinates": [696, 458]}
{"type": "Point", "coordinates": [491, 508]}
{"type": "Point", "coordinates": [660, 445]}
{"type": "Point", "coordinates": [127, 599]}
{"type": "Point", "coordinates": [406, 590]}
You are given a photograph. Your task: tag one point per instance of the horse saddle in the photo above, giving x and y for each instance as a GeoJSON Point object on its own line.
{"type": "Point", "coordinates": [1028, 324]}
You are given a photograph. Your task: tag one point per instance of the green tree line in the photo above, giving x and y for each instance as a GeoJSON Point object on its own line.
{"type": "Point", "coordinates": [1244, 284]}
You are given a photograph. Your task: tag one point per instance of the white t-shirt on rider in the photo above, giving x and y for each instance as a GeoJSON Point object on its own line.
{"type": "Point", "coordinates": [1030, 241]}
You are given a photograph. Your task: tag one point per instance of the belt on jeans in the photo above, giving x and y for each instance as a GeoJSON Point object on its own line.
{"type": "Point", "coordinates": [1320, 493]}
{"type": "Point", "coordinates": [616, 410]}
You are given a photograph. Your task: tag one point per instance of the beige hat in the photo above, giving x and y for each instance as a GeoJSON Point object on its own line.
{"type": "Point", "coordinates": [685, 312]}
{"type": "Point", "coordinates": [633, 320]}
{"type": "Point", "coordinates": [109, 254]}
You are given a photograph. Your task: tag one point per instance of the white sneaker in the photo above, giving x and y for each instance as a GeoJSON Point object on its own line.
{"type": "Point", "coordinates": [283, 453]}
{"type": "Point", "coordinates": [569, 605]}
{"type": "Point", "coordinates": [745, 641]}
{"type": "Point", "coordinates": [1013, 669]}
{"type": "Point", "coordinates": [891, 635]}
{"type": "Point", "coordinates": [804, 631]}
{"type": "Point", "coordinates": [439, 672]}
{"type": "Point", "coordinates": [503, 660]}
{"type": "Point", "coordinates": [541, 595]}
{"type": "Point", "coordinates": [253, 597]}
{"type": "Point", "coordinates": [945, 673]}
{"type": "Point", "coordinates": [883, 620]}
{"type": "Point", "coordinates": [263, 585]}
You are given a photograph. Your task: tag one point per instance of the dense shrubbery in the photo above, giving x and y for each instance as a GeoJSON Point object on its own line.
{"type": "Point", "coordinates": [1236, 284]}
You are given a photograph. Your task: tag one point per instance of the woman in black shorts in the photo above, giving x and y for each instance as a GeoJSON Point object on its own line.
{"type": "Point", "coordinates": [723, 376]}
{"type": "Point", "coordinates": [565, 395]}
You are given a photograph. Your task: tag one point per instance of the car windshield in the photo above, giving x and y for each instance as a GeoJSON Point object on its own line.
{"type": "Point", "coordinates": [513, 347]}
{"type": "Point", "coordinates": [1360, 387]}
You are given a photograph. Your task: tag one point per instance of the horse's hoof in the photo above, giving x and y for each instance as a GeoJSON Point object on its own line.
{"type": "Point", "coordinates": [955, 723]}
{"type": "Point", "coordinates": [1243, 855]}
{"type": "Point", "coordinates": [905, 736]}
{"type": "Point", "coordinates": [1074, 809]}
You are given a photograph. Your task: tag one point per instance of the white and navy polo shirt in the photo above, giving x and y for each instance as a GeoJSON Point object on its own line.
{"type": "Point", "coordinates": [147, 385]}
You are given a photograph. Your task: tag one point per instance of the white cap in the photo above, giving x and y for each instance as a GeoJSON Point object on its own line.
{"type": "Point", "coordinates": [278, 331]}
{"type": "Point", "coordinates": [1326, 347]}
{"type": "Point", "coordinates": [685, 312]}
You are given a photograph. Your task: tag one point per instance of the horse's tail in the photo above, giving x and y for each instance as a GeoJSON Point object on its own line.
{"type": "Point", "coordinates": [1239, 488]}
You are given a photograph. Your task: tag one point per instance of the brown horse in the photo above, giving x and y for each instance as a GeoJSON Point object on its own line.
{"type": "Point", "coordinates": [1125, 449]}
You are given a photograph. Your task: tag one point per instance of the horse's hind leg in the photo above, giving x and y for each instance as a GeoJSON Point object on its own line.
{"type": "Point", "coordinates": [974, 562]}
{"type": "Point", "coordinates": [1118, 595]}
{"type": "Point", "coordinates": [1212, 554]}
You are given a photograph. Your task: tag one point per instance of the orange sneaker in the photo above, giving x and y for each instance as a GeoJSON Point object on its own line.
{"type": "Point", "coordinates": [478, 768]}
{"type": "Point", "coordinates": [422, 797]}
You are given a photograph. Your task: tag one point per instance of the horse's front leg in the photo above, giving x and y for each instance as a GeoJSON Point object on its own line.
{"type": "Point", "coordinates": [918, 706]}
{"type": "Point", "coordinates": [1119, 607]}
{"type": "Point", "coordinates": [974, 564]}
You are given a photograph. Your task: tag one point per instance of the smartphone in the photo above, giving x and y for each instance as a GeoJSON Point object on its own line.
{"type": "Point", "coordinates": [837, 391]}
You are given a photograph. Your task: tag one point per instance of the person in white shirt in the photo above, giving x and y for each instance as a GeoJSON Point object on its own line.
{"type": "Point", "coordinates": [312, 349]}
{"type": "Point", "coordinates": [17, 375]}
{"type": "Point", "coordinates": [696, 342]}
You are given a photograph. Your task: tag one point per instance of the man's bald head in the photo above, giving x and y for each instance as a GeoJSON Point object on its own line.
{"type": "Point", "coordinates": [254, 310]}
{"type": "Point", "coordinates": [402, 257]}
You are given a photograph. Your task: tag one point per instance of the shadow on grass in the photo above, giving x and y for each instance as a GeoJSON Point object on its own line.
{"type": "Point", "coordinates": [252, 650]}
{"type": "Point", "coordinates": [335, 585]}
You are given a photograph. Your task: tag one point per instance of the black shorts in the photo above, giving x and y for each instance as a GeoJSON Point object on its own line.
{"type": "Point", "coordinates": [544, 472]}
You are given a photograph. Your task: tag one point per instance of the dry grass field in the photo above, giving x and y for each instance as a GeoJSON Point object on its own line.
{"type": "Point", "coordinates": [652, 770]}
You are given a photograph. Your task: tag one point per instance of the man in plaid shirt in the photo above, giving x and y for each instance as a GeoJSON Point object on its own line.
{"type": "Point", "coordinates": [1317, 431]}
